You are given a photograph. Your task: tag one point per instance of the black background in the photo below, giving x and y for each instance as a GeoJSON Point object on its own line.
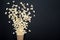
{"type": "Point", "coordinates": [45, 26]}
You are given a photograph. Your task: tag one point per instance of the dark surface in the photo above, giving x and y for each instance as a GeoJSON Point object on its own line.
{"type": "Point", "coordinates": [45, 26]}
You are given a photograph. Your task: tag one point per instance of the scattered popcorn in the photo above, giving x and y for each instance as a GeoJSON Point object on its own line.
{"type": "Point", "coordinates": [20, 17]}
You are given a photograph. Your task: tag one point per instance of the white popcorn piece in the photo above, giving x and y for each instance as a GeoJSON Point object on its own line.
{"type": "Point", "coordinates": [13, 33]}
{"type": "Point", "coordinates": [20, 2]}
{"type": "Point", "coordinates": [5, 13]}
{"type": "Point", "coordinates": [29, 30]}
{"type": "Point", "coordinates": [33, 11]}
{"type": "Point", "coordinates": [14, 5]}
{"type": "Point", "coordinates": [13, 1]}
{"type": "Point", "coordinates": [34, 15]}
{"type": "Point", "coordinates": [7, 3]}
{"type": "Point", "coordinates": [6, 8]}
{"type": "Point", "coordinates": [29, 13]}
{"type": "Point", "coordinates": [9, 12]}
{"type": "Point", "coordinates": [27, 4]}
{"type": "Point", "coordinates": [19, 7]}
{"type": "Point", "coordinates": [27, 9]}
{"type": "Point", "coordinates": [12, 24]}
{"type": "Point", "coordinates": [32, 6]}
{"type": "Point", "coordinates": [9, 21]}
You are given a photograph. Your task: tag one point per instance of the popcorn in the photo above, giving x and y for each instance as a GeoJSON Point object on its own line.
{"type": "Point", "coordinates": [5, 13]}
{"type": "Point", "coordinates": [33, 11]}
{"type": "Point", "coordinates": [6, 8]}
{"type": "Point", "coordinates": [20, 17]}
{"type": "Point", "coordinates": [9, 21]}
{"type": "Point", "coordinates": [31, 5]}
{"type": "Point", "coordinates": [13, 1]}
{"type": "Point", "coordinates": [27, 4]}
{"type": "Point", "coordinates": [8, 3]}
{"type": "Point", "coordinates": [31, 8]}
